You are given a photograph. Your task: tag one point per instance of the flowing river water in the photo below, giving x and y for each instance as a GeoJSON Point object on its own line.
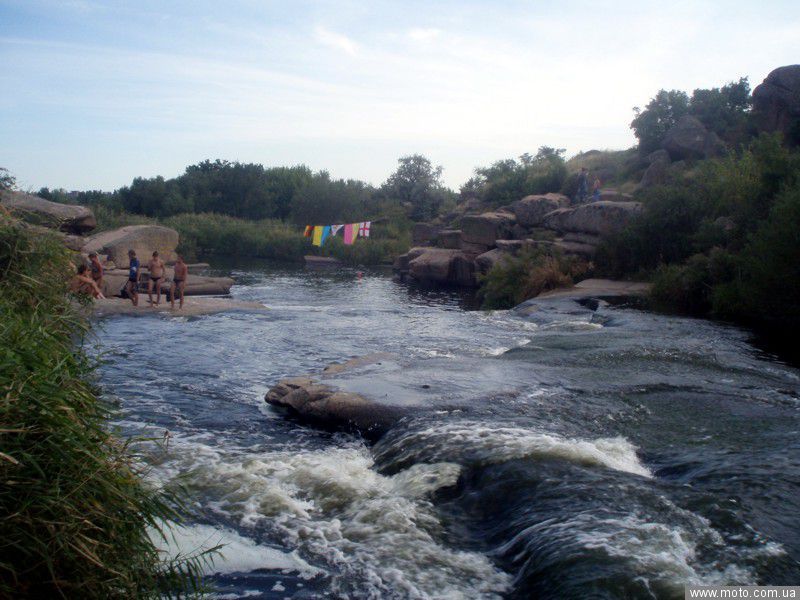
{"type": "Point", "coordinates": [613, 453]}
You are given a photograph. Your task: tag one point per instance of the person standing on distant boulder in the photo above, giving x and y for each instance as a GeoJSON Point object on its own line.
{"type": "Point", "coordinates": [596, 189]}
{"type": "Point", "coordinates": [156, 268]}
{"type": "Point", "coordinates": [583, 186]}
{"type": "Point", "coordinates": [131, 287]}
{"type": "Point", "coordinates": [179, 281]}
{"type": "Point", "coordinates": [97, 270]}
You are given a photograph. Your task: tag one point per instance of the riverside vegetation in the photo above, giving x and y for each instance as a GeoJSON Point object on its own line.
{"type": "Point", "coordinates": [79, 519]}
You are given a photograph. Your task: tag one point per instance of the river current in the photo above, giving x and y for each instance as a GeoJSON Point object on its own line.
{"type": "Point", "coordinates": [609, 453]}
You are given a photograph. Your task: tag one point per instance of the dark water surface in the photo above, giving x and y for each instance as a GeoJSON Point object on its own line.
{"type": "Point", "coordinates": [577, 454]}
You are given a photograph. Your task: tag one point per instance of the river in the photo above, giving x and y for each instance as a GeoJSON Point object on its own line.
{"type": "Point", "coordinates": [606, 454]}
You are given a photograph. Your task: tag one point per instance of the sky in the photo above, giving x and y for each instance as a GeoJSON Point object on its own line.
{"type": "Point", "coordinates": [94, 93]}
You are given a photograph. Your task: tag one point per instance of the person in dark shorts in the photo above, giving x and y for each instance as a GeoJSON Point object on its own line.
{"type": "Point", "coordinates": [131, 287]}
{"type": "Point", "coordinates": [179, 280]}
{"type": "Point", "coordinates": [156, 268]}
{"type": "Point", "coordinates": [583, 186]}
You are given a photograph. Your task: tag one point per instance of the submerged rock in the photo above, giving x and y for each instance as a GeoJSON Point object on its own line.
{"type": "Point", "coordinates": [63, 217]}
{"type": "Point", "coordinates": [326, 406]}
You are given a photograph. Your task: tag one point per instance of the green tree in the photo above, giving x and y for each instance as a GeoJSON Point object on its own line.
{"type": "Point", "coordinates": [418, 183]}
{"type": "Point", "coordinates": [325, 201]}
{"type": "Point", "coordinates": [724, 110]}
{"type": "Point", "coordinates": [509, 180]}
{"type": "Point", "coordinates": [7, 180]}
{"type": "Point", "coordinates": [651, 124]}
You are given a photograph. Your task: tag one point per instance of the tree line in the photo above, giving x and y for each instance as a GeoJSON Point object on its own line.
{"type": "Point", "coordinates": [299, 195]}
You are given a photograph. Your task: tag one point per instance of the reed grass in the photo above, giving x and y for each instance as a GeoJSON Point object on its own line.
{"type": "Point", "coordinates": [75, 513]}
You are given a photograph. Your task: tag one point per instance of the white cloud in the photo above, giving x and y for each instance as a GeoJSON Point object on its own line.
{"type": "Point", "coordinates": [335, 40]}
{"type": "Point", "coordinates": [419, 34]}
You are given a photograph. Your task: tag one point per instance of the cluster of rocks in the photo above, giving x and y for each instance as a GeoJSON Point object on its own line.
{"type": "Point", "coordinates": [457, 256]}
{"type": "Point", "coordinates": [73, 224]}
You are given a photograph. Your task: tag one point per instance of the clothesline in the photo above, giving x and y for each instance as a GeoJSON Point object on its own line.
{"type": "Point", "coordinates": [352, 231]}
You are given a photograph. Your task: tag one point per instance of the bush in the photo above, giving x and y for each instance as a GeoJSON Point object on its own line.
{"type": "Point", "coordinates": [683, 288]}
{"type": "Point", "coordinates": [108, 219]}
{"type": "Point", "coordinates": [76, 512]}
{"type": "Point", "coordinates": [518, 278]}
{"type": "Point", "coordinates": [509, 180]}
{"type": "Point", "coordinates": [771, 263]}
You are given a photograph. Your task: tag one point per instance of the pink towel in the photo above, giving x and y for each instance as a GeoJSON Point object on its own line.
{"type": "Point", "coordinates": [350, 233]}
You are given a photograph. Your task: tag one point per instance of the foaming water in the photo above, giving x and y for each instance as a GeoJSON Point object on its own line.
{"type": "Point", "coordinates": [490, 444]}
{"type": "Point", "coordinates": [610, 453]}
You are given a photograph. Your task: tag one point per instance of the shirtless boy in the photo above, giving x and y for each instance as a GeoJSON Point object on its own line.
{"type": "Point", "coordinates": [156, 268]}
{"type": "Point", "coordinates": [97, 270]}
{"type": "Point", "coordinates": [179, 280]}
{"type": "Point", "coordinates": [82, 283]}
{"type": "Point", "coordinates": [133, 278]}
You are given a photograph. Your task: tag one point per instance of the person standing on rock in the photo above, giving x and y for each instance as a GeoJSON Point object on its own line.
{"type": "Point", "coordinates": [133, 278]}
{"type": "Point", "coordinates": [596, 189]}
{"type": "Point", "coordinates": [97, 270]}
{"type": "Point", "coordinates": [156, 268]}
{"type": "Point", "coordinates": [583, 186]}
{"type": "Point", "coordinates": [179, 281]}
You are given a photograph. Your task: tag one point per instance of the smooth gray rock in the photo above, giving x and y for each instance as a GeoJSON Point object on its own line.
{"type": "Point", "coordinates": [450, 238]}
{"type": "Point", "coordinates": [441, 265]}
{"type": "Point", "coordinates": [531, 210]}
{"type": "Point", "coordinates": [143, 239]}
{"type": "Point", "coordinates": [485, 228]}
{"type": "Point", "coordinates": [326, 406]}
{"type": "Point", "coordinates": [689, 139]}
{"type": "Point", "coordinates": [776, 102]}
{"type": "Point", "coordinates": [598, 218]}
{"type": "Point", "coordinates": [424, 233]}
{"type": "Point", "coordinates": [486, 261]}
{"type": "Point", "coordinates": [63, 217]}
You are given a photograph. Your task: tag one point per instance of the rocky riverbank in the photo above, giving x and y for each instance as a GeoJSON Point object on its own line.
{"type": "Point", "coordinates": [74, 224]}
{"type": "Point", "coordinates": [460, 256]}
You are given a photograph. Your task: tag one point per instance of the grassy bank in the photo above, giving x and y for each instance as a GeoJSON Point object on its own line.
{"type": "Point", "coordinates": [206, 234]}
{"type": "Point", "coordinates": [76, 511]}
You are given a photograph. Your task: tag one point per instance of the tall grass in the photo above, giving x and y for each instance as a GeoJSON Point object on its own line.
{"type": "Point", "coordinates": [203, 234]}
{"type": "Point", "coordinates": [74, 510]}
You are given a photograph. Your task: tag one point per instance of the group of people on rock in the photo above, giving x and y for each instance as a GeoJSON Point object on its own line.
{"type": "Point", "coordinates": [583, 187]}
{"type": "Point", "coordinates": [92, 283]}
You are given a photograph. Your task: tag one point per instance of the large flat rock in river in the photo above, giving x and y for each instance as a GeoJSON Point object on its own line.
{"type": "Point", "coordinates": [371, 394]}
{"type": "Point", "coordinates": [601, 288]}
{"type": "Point", "coordinates": [192, 307]}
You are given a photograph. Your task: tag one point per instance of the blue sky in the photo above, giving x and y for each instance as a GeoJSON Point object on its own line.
{"type": "Point", "coordinates": [95, 93]}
